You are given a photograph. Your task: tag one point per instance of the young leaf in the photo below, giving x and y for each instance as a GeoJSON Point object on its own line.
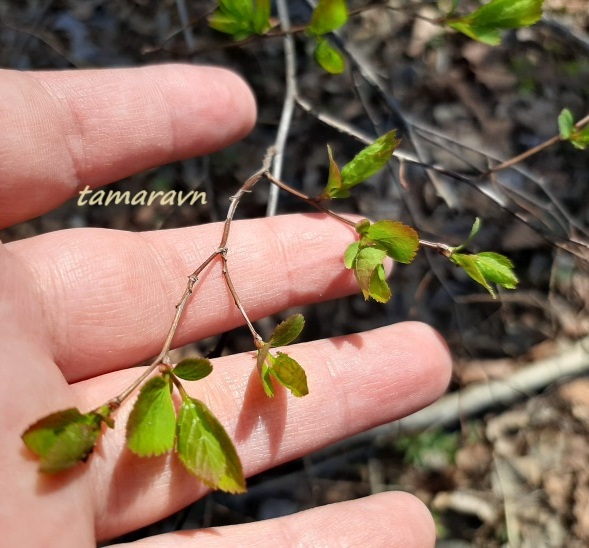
{"type": "Point", "coordinates": [328, 57]}
{"type": "Point", "coordinates": [580, 138]}
{"type": "Point", "coordinates": [193, 369]}
{"type": "Point", "coordinates": [367, 261]}
{"type": "Point", "coordinates": [290, 374]}
{"type": "Point", "coordinates": [267, 385]}
{"type": "Point", "coordinates": [334, 188]}
{"type": "Point", "coordinates": [379, 288]}
{"type": "Point", "coordinates": [262, 358]}
{"type": "Point", "coordinates": [566, 123]}
{"type": "Point", "coordinates": [369, 160]}
{"type": "Point", "coordinates": [152, 423]}
{"type": "Point", "coordinates": [329, 15]}
{"type": "Point", "coordinates": [470, 266]}
{"type": "Point", "coordinates": [497, 268]}
{"type": "Point", "coordinates": [486, 23]}
{"type": "Point", "coordinates": [400, 241]}
{"type": "Point", "coordinates": [63, 439]}
{"type": "Point", "coordinates": [287, 331]}
{"type": "Point", "coordinates": [206, 450]}
{"type": "Point", "coordinates": [351, 254]}
{"type": "Point", "coordinates": [241, 18]}
{"type": "Point", "coordinates": [487, 267]}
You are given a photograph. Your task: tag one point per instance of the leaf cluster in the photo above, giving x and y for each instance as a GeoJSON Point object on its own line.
{"type": "Point", "coordinates": [366, 256]}
{"type": "Point", "coordinates": [486, 267]}
{"type": "Point", "coordinates": [282, 368]}
{"type": "Point", "coordinates": [486, 23]}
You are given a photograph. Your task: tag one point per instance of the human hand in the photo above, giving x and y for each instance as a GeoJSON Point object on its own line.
{"type": "Point", "coordinates": [79, 307]}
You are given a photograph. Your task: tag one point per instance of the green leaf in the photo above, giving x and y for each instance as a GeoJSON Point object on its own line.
{"type": "Point", "coordinates": [263, 356]}
{"type": "Point", "coordinates": [367, 261]}
{"type": "Point", "coordinates": [476, 227]}
{"type": "Point", "coordinates": [261, 16]}
{"type": "Point", "coordinates": [329, 15]}
{"type": "Point", "coordinates": [193, 369]}
{"type": "Point", "coordinates": [486, 267]}
{"type": "Point", "coordinates": [241, 18]}
{"type": "Point", "coordinates": [206, 450]}
{"type": "Point", "coordinates": [469, 264]}
{"type": "Point", "coordinates": [267, 385]}
{"type": "Point", "coordinates": [63, 439]}
{"type": "Point", "coordinates": [290, 374]}
{"type": "Point", "coordinates": [329, 58]}
{"type": "Point", "coordinates": [497, 268]}
{"type": "Point", "coordinates": [362, 227]}
{"type": "Point", "coordinates": [486, 23]}
{"type": "Point", "coordinates": [351, 254]}
{"type": "Point", "coordinates": [369, 160]}
{"type": "Point", "coordinates": [379, 288]}
{"type": "Point", "coordinates": [152, 423]}
{"type": "Point", "coordinates": [334, 188]}
{"type": "Point", "coordinates": [400, 241]}
{"type": "Point", "coordinates": [566, 123]}
{"type": "Point", "coordinates": [580, 138]}
{"type": "Point", "coordinates": [287, 331]}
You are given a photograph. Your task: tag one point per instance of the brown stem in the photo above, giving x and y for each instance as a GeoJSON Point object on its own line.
{"type": "Point", "coordinates": [311, 201]}
{"type": "Point", "coordinates": [442, 249]}
{"type": "Point", "coordinates": [162, 357]}
{"type": "Point", "coordinates": [534, 150]}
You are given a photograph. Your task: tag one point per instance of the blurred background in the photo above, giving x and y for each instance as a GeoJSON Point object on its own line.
{"type": "Point", "coordinates": [502, 460]}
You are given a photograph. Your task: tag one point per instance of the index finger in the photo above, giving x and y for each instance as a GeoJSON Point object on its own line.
{"type": "Point", "coordinates": [65, 130]}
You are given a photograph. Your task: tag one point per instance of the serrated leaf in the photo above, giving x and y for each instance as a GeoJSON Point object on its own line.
{"type": "Point", "coordinates": [287, 331]}
{"type": "Point", "coordinates": [486, 23]}
{"type": "Point", "coordinates": [151, 426]}
{"type": "Point", "coordinates": [566, 123]}
{"type": "Point", "coordinates": [379, 288]}
{"type": "Point", "coordinates": [329, 58]}
{"type": "Point", "coordinates": [334, 188]}
{"type": "Point", "coordinates": [367, 260]}
{"type": "Point", "coordinates": [63, 439]}
{"type": "Point", "coordinates": [290, 374]}
{"type": "Point", "coordinates": [470, 265]}
{"type": "Point", "coordinates": [350, 255]}
{"type": "Point", "coordinates": [400, 241]}
{"type": "Point", "coordinates": [497, 268]}
{"type": "Point", "coordinates": [329, 15]}
{"type": "Point", "coordinates": [206, 450]}
{"type": "Point", "coordinates": [193, 369]}
{"type": "Point", "coordinates": [369, 160]}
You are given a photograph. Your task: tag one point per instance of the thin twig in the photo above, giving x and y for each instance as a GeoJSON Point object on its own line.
{"type": "Point", "coordinates": [525, 155]}
{"type": "Point", "coordinates": [287, 106]}
{"type": "Point", "coordinates": [185, 22]}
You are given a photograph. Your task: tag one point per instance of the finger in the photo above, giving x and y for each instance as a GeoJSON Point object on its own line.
{"type": "Point", "coordinates": [391, 520]}
{"type": "Point", "coordinates": [64, 130]}
{"type": "Point", "coordinates": [355, 383]}
{"type": "Point", "coordinates": [108, 297]}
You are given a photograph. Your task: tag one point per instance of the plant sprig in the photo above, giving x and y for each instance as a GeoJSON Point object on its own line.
{"type": "Point", "coordinates": [155, 427]}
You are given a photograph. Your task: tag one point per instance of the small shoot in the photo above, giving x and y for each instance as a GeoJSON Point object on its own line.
{"type": "Point", "coordinates": [366, 256]}
{"type": "Point", "coordinates": [486, 23]}
{"type": "Point", "coordinates": [241, 18]}
{"type": "Point", "coordinates": [284, 369]}
{"type": "Point", "coordinates": [578, 137]}
{"type": "Point", "coordinates": [329, 15]}
{"type": "Point", "coordinates": [486, 267]}
{"type": "Point", "coordinates": [66, 438]}
{"type": "Point", "coordinates": [366, 163]}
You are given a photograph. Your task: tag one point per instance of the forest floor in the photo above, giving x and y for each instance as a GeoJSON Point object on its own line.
{"type": "Point", "coordinates": [503, 459]}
